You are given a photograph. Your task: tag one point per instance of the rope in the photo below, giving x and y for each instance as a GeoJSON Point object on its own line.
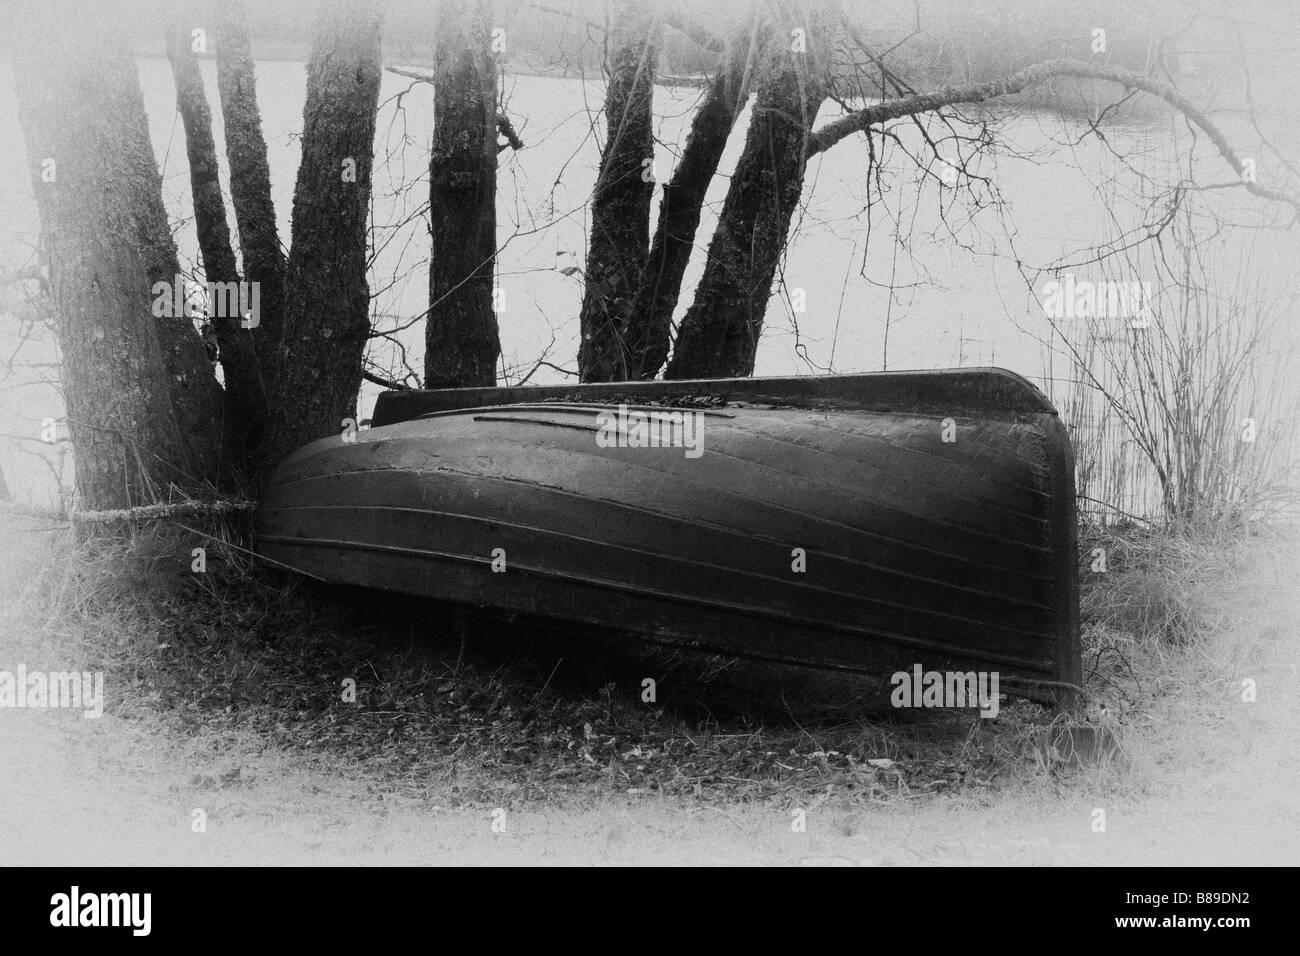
{"type": "Point", "coordinates": [160, 512]}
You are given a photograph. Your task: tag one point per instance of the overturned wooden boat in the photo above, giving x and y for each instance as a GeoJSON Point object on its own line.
{"type": "Point", "coordinates": [850, 523]}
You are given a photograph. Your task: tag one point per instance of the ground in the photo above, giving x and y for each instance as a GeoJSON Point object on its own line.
{"type": "Point", "coordinates": [1204, 777]}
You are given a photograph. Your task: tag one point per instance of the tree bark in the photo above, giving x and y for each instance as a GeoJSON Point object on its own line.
{"type": "Point", "coordinates": [142, 402]}
{"type": "Point", "coordinates": [250, 174]}
{"type": "Point", "coordinates": [719, 333]}
{"type": "Point", "coordinates": [648, 322]}
{"type": "Point", "coordinates": [315, 374]}
{"type": "Point", "coordinates": [245, 398]}
{"type": "Point", "coordinates": [620, 208]}
{"type": "Point", "coordinates": [462, 342]}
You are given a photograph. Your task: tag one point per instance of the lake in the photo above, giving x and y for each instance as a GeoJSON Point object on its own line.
{"type": "Point", "coordinates": [942, 290]}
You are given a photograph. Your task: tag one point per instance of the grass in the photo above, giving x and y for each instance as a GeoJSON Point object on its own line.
{"type": "Point", "coordinates": [239, 663]}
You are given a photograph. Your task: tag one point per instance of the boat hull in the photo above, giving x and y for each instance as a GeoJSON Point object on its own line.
{"type": "Point", "coordinates": [856, 530]}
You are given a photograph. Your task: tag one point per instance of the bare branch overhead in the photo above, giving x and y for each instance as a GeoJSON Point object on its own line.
{"type": "Point", "coordinates": [902, 106]}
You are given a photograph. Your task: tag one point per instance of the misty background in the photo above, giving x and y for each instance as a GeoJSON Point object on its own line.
{"type": "Point", "coordinates": [885, 270]}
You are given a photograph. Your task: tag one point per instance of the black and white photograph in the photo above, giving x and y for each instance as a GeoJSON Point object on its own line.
{"type": "Point", "coordinates": [650, 433]}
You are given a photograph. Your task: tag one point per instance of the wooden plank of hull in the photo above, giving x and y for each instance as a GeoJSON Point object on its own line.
{"type": "Point", "coordinates": [990, 390]}
{"type": "Point", "coordinates": [953, 555]}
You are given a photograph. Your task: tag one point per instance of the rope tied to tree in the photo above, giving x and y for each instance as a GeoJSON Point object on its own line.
{"type": "Point", "coordinates": [159, 512]}
{"type": "Point", "coordinates": [153, 512]}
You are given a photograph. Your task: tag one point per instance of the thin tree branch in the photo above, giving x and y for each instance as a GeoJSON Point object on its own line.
{"type": "Point", "coordinates": [687, 25]}
{"type": "Point", "coordinates": [504, 126]}
{"type": "Point", "coordinates": [896, 108]}
{"type": "Point", "coordinates": [384, 382]}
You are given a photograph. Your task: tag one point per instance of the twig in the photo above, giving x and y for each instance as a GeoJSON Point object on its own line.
{"type": "Point", "coordinates": [386, 383]}
{"type": "Point", "coordinates": [504, 126]}
{"type": "Point", "coordinates": [831, 133]}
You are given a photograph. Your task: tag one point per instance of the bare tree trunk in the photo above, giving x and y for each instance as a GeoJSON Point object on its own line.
{"type": "Point", "coordinates": [719, 333]}
{"type": "Point", "coordinates": [250, 174]}
{"type": "Point", "coordinates": [649, 321]}
{"type": "Point", "coordinates": [620, 208]}
{"type": "Point", "coordinates": [461, 337]}
{"type": "Point", "coordinates": [316, 372]}
{"type": "Point", "coordinates": [142, 402]}
{"type": "Point", "coordinates": [245, 398]}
